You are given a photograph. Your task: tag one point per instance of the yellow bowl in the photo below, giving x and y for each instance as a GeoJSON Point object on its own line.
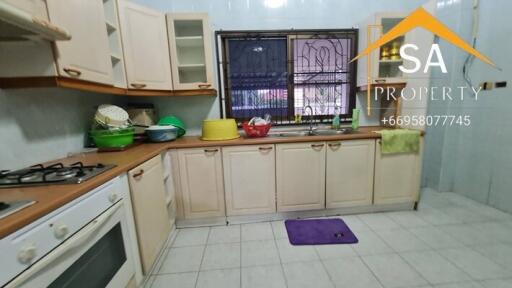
{"type": "Point", "coordinates": [219, 129]}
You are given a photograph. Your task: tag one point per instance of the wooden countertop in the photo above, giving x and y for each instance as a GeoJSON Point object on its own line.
{"type": "Point", "coordinates": [52, 197]}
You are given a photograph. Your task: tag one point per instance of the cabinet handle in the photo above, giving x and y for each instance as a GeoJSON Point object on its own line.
{"type": "Point", "coordinates": [204, 86]}
{"type": "Point", "coordinates": [380, 142]}
{"type": "Point", "coordinates": [138, 174]}
{"type": "Point", "coordinates": [138, 85]}
{"type": "Point", "coordinates": [211, 150]}
{"type": "Point", "coordinates": [334, 145]}
{"type": "Point", "coordinates": [72, 72]}
{"type": "Point", "coordinates": [380, 80]}
{"type": "Point", "coordinates": [265, 148]}
{"type": "Point", "coordinates": [317, 145]}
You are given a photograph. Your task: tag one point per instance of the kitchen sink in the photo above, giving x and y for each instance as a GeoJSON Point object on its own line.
{"type": "Point", "coordinates": [333, 131]}
{"type": "Point", "coordinates": [291, 134]}
{"type": "Point", "coordinates": [317, 132]}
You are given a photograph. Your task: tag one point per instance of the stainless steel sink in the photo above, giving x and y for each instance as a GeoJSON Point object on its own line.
{"type": "Point", "coordinates": [317, 132]}
{"type": "Point", "coordinates": [291, 134]}
{"type": "Point", "coordinates": [333, 131]}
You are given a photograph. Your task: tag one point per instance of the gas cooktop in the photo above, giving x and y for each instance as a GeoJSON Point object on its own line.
{"type": "Point", "coordinates": [57, 173]}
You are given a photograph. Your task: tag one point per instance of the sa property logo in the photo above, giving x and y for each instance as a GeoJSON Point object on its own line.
{"type": "Point", "coordinates": [421, 18]}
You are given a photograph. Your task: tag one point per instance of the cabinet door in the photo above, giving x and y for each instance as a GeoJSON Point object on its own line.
{"type": "Point", "coordinates": [201, 182]}
{"type": "Point", "coordinates": [349, 173]}
{"type": "Point", "coordinates": [145, 46]}
{"type": "Point", "coordinates": [249, 179]}
{"type": "Point", "coordinates": [87, 55]}
{"type": "Point", "coordinates": [191, 50]}
{"type": "Point", "coordinates": [397, 177]}
{"type": "Point", "coordinates": [149, 208]}
{"type": "Point", "coordinates": [300, 176]}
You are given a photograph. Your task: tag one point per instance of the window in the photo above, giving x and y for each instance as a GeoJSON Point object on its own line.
{"type": "Point", "coordinates": [281, 73]}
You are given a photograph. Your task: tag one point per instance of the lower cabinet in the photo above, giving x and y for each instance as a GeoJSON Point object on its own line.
{"type": "Point", "coordinates": [149, 208]}
{"type": "Point", "coordinates": [397, 177]}
{"type": "Point", "coordinates": [201, 182]}
{"type": "Point", "coordinates": [300, 176]}
{"type": "Point", "coordinates": [249, 179]}
{"type": "Point", "coordinates": [349, 173]}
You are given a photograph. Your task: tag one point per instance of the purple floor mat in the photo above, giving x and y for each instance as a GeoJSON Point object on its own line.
{"type": "Point", "coordinates": [319, 231]}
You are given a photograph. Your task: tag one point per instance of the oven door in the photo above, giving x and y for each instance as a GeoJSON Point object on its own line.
{"type": "Point", "coordinates": [98, 255]}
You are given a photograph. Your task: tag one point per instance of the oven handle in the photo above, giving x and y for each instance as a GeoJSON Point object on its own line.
{"type": "Point", "coordinates": [81, 236]}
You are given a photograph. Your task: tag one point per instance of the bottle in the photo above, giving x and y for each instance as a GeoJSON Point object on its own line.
{"type": "Point", "coordinates": [355, 118]}
{"type": "Point", "coordinates": [336, 119]}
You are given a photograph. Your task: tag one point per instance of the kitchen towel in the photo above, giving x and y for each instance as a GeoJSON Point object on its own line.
{"type": "Point", "coordinates": [319, 231]}
{"type": "Point", "coordinates": [400, 141]}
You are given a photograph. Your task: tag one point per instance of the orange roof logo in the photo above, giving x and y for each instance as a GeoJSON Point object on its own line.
{"type": "Point", "coordinates": [421, 18]}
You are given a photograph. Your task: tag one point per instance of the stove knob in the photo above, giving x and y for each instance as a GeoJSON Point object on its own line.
{"type": "Point", "coordinates": [112, 197]}
{"type": "Point", "coordinates": [60, 231]}
{"type": "Point", "coordinates": [27, 254]}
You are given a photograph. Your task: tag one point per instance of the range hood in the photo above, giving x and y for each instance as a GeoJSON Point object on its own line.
{"type": "Point", "coordinates": [16, 25]}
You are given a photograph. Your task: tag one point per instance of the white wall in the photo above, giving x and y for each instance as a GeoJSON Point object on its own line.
{"type": "Point", "coordinates": [475, 161]}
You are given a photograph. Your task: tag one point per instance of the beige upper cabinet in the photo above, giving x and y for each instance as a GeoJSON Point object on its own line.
{"type": "Point", "coordinates": [87, 55]}
{"type": "Point", "coordinates": [191, 50]}
{"type": "Point", "coordinates": [397, 177]}
{"type": "Point", "coordinates": [349, 173]}
{"type": "Point", "coordinates": [384, 61]}
{"type": "Point", "coordinates": [201, 182]}
{"type": "Point", "coordinates": [150, 210]}
{"type": "Point", "coordinates": [300, 176]}
{"type": "Point", "coordinates": [249, 179]}
{"type": "Point", "coordinates": [146, 48]}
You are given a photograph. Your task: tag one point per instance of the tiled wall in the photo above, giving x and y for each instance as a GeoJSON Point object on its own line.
{"type": "Point", "coordinates": [38, 125]}
{"type": "Point", "coordinates": [475, 161]}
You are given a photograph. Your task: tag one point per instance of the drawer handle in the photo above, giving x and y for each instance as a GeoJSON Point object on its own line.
{"type": "Point", "coordinates": [138, 85]}
{"type": "Point", "coordinates": [138, 174]}
{"type": "Point", "coordinates": [317, 145]}
{"type": "Point", "coordinates": [72, 72]}
{"type": "Point", "coordinates": [380, 80]}
{"type": "Point", "coordinates": [204, 86]}
{"type": "Point", "coordinates": [211, 150]}
{"type": "Point", "coordinates": [334, 145]}
{"type": "Point", "coordinates": [265, 148]}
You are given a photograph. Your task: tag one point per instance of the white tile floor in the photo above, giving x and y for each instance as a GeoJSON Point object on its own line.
{"type": "Point", "coordinates": [450, 242]}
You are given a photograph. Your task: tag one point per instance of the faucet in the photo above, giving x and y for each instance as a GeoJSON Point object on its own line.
{"type": "Point", "coordinates": [311, 118]}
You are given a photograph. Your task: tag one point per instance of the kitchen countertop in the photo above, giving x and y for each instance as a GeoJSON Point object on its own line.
{"type": "Point", "coordinates": [51, 197]}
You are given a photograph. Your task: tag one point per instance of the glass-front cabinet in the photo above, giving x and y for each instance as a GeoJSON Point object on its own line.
{"type": "Point", "coordinates": [384, 61]}
{"type": "Point", "coordinates": [191, 50]}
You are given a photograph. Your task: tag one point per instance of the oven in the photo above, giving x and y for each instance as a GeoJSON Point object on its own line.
{"type": "Point", "coordinates": [96, 254]}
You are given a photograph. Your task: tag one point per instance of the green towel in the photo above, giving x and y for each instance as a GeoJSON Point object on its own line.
{"type": "Point", "coordinates": [400, 141]}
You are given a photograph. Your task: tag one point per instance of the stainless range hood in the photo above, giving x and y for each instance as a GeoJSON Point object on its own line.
{"type": "Point", "coordinates": [16, 25]}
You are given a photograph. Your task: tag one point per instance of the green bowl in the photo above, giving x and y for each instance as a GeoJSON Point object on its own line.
{"type": "Point", "coordinates": [112, 139]}
{"type": "Point", "coordinates": [174, 121]}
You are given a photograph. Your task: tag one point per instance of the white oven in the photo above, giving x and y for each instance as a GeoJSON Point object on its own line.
{"type": "Point", "coordinates": [87, 243]}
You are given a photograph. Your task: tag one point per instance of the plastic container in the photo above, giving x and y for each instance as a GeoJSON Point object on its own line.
{"type": "Point", "coordinates": [174, 121]}
{"type": "Point", "coordinates": [159, 133]}
{"type": "Point", "coordinates": [219, 129]}
{"type": "Point", "coordinates": [113, 138]}
{"type": "Point", "coordinates": [255, 131]}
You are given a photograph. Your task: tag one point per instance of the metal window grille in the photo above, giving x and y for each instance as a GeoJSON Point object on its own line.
{"type": "Point", "coordinates": [280, 73]}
